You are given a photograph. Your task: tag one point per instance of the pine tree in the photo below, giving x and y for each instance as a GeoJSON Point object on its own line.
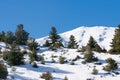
{"type": "Point", "coordinates": [112, 65]}
{"type": "Point", "coordinates": [32, 45]}
{"type": "Point", "coordinates": [2, 36]}
{"type": "Point", "coordinates": [115, 44]}
{"type": "Point", "coordinates": [10, 38]}
{"type": "Point", "coordinates": [3, 71]}
{"type": "Point", "coordinates": [94, 45]}
{"type": "Point", "coordinates": [92, 42]}
{"type": "Point", "coordinates": [72, 43]}
{"type": "Point", "coordinates": [55, 39]}
{"type": "Point", "coordinates": [21, 35]}
{"type": "Point", "coordinates": [89, 55]}
{"type": "Point", "coordinates": [53, 35]}
{"type": "Point", "coordinates": [15, 56]}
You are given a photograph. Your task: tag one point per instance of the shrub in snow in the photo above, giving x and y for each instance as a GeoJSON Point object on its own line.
{"type": "Point", "coordinates": [5, 55]}
{"type": "Point", "coordinates": [72, 63]}
{"type": "Point", "coordinates": [83, 62]}
{"type": "Point", "coordinates": [76, 58]}
{"type": "Point", "coordinates": [61, 60]}
{"type": "Point", "coordinates": [53, 61]}
{"type": "Point", "coordinates": [65, 78]}
{"type": "Point", "coordinates": [43, 61]}
{"type": "Point", "coordinates": [112, 65]}
{"type": "Point", "coordinates": [35, 65]}
{"type": "Point", "coordinates": [94, 71]}
{"type": "Point", "coordinates": [13, 69]}
{"type": "Point", "coordinates": [3, 71]}
{"type": "Point", "coordinates": [82, 49]}
{"type": "Point", "coordinates": [47, 76]}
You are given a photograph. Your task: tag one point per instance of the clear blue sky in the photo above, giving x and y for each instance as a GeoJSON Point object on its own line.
{"type": "Point", "coordinates": [38, 16]}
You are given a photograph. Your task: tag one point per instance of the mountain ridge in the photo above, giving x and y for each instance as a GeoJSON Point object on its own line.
{"type": "Point", "coordinates": [102, 34]}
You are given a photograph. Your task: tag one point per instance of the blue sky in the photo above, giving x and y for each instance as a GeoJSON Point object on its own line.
{"type": "Point", "coordinates": [38, 16]}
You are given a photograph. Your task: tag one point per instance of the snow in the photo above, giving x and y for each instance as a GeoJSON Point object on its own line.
{"type": "Point", "coordinates": [103, 35]}
{"type": "Point", "coordinates": [78, 71]}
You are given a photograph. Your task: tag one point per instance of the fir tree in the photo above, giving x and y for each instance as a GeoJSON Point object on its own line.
{"type": "Point", "coordinates": [15, 56]}
{"type": "Point", "coordinates": [2, 36]}
{"type": "Point", "coordinates": [21, 35]}
{"type": "Point", "coordinates": [10, 38]}
{"type": "Point", "coordinates": [55, 39]}
{"type": "Point", "coordinates": [3, 71]}
{"type": "Point", "coordinates": [89, 55]}
{"type": "Point", "coordinates": [72, 43]}
{"type": "Point", "coordinates": [94, 45]}
{"type": "Point", "coordinates": [115, 44]}
{"type": "Point", "coordinates": [53, 35]}
{"type": "Point", "coordinates": [32, 45]}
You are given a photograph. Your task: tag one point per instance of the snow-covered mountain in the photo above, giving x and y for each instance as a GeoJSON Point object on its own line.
{"type": "Point", "coordinates": [103, 35]}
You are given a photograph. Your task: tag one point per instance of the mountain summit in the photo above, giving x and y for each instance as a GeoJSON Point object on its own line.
{"type": "Point", "coordinates": [103, 35]}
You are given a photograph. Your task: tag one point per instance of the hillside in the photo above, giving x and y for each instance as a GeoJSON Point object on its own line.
{"type": "Point", "coordinates": [103, 35]}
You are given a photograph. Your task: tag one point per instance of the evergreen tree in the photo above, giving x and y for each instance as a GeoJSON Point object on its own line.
{"type": "Point", "coordinates": [55, 39]}
{"type": "Point", "coordinates": [10, 38]}
{"type": "Point", "coordinates": [116, 42]}
{"type": "Point", "coordinates": [47, 44]}
{"type": "Point", "coordinates": [32, 45]}
{"type": "Point", "coordinates": [92, 42]}
{"type": "Point", "coordinates": [3, 71]}
{"type": "Point", "coordinates": [72, 43]}
{"type": "Point", "coordinates": [89, 55]}
{"type": "Point", "coordinates": [33, 56]}
{"type": "Point", "coordinates": [94, 45]}
{"type": "Point", "coordinates": [112, 65]}
{"type": "Point", "coordinates": [21, 35]}
{"type": "Point", "coordinates": [2, 36]}
{"type": "Point", "coordinates": [15, 56]}
{"type": "Point", "coordinates": [53, 35]}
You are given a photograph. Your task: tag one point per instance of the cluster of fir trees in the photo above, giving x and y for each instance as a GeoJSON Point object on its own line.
{"type": "Point", "coordinates": [55, 41]}
{"type": "Point", "coordinates": [20, 36]}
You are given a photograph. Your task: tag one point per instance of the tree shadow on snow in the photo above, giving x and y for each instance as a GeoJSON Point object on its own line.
{"type": "Point", "coordinates": [45, 69]}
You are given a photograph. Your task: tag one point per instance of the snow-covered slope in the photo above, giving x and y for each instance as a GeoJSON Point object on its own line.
{"type": "Point", "coordinates": [103, 35]}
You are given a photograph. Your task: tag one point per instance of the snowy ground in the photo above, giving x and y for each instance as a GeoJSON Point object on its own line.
{"type": "Point", "coordinates": [78, 71]}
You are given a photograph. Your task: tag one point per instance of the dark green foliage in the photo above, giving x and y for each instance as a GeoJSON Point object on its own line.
{"type": "Point", "coordinates": [21, 35]}
{"type": "Point", "coordinates": [72, 43]}
{"type": "Point", "coordinates": [10, 38]}
{"type": "Point", "coordinates": [82, 49]}
{"type": "Point", "coordinates": [47, 76]}
{"type": "Point", "coordinates": [33, 56]}
{"type": "Point", "coordinates": [53, 61]}
{"type": "Point", "coordinates": [2, 36]}
{"type": "Point", "coordinates": [112, 65]}
{"type": "Point", "coordinates": [35, 65]}
{"type": "Point", "coordinates": [56, 45]}
{"type": "Point", "coordinates": [93, 45]}
{"type": "Point", "coordinates": [15, 56]}
{"type": "Point", "coordinates": [3, 71]}
{"type": "Point", "coordinates": [47, 44]}
{"type": "Point", "coordinates": [5, 55]}
{"type": "Point", "coordinates": [55, 39]}
{"type": "Point", "coordinates": [115, 44]}
{"type": "Point", "coordinates": [53, 35]}
{"type": "Point", "coordinates": [43, 61]}
{"type": "Point", "coordinates": [61, 60]}
{"type": "Point", "coordinates": [65, 78]}
{"type": "Point", "coordinates": [72, 63]}
{"type": "Point", "coordinates": [33, 45]}
{"type": "Point", "coordinates": [89, 55]}
{"type": "Point", "coordinates": [94, 71]}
